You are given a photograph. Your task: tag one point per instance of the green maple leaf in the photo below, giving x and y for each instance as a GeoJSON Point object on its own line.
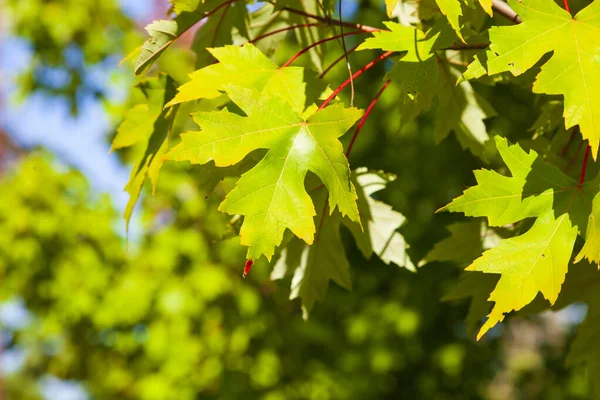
{"type": "Point", "coordinates": [272, 195]}
{"type": "Point", "coordinates": [452, 9]}
{"type": "Point", "coordinates": [146, 122]}
{"type": "Point", "coordinates": [571, 71]}
{"type": "Point", "coordinates": [537, 260]}
{"type": "Point", "coordinates": [249, 68]}
{"type": "Point", "coordinates": [315, 265]}
{"type": "Point", "coordinates": [462, 111]}
{"type": "Point", "coordinates": [418, 84]}
{"type": "Point", "coordinates": [418, 45]}
{"type": "Point", "coordinates": [420, 78]}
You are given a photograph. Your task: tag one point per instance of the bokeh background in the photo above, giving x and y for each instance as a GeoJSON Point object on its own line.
{"type": "Point", "coordinates": [86, 315]}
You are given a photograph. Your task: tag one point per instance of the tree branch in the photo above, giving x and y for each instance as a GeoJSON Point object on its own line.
{"type": "Point", "coordinates": [504, 9]}
{"type": "Point", "coordinates": [331, 21]}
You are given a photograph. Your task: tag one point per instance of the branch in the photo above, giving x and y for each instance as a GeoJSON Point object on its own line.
{"type": "Point", "coordinates": [287, 28]}
{"type": "Point", "coordinates": [504, 9]}
{"type": "Point", "coordinates": [331, 21]}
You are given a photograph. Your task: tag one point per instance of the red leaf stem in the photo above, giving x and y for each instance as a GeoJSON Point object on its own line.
{"type": "Point", "coordinates": [584, 165]}
{"type": "Point", "coordinates": [356, 75]}
{"type": "Point", "coordinates": [365, 116]}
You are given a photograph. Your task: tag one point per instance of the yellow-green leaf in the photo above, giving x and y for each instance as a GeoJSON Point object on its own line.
{"type": "Point", "coordinates": [573, 69]}
{"type": "Point", "coordinates": [272, 195]}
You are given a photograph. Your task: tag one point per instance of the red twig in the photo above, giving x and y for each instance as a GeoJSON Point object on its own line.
{"type": "Point", "coordinates": [584, 165]}
{"type": "Point", "coordinates": [356, 75]}
{"type": "Point", "coordinates": [365, 116]}
{"type": "Point", "coordinates": [304, 50]}
{"type": "Point", "coordinates": [337, 60]}
{"type": "Point", "coordinates": [566, 4]}
{"type": "Point", "coordinates": [287, 28]}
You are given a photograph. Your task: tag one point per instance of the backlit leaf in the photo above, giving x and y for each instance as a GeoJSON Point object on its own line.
{"type": "Point", "coordinates": [272, 194]}
{"type": "Point", "coordinates": [537, 260]}
{"type": "Point", "coordinates": [571, 71]}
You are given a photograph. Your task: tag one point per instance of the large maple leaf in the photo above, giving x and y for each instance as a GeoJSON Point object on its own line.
{"type": "Point", "coordinates": [537, 260]}
{"type": "Point", "coordinates": [573, 70]}
{"type": "Point", "coordinates": [272, 196]}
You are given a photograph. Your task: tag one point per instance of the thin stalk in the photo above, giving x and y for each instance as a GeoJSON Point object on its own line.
{"type": "Point", "coordinates": [365, 116]}
{"type": "Point", "coordinates": [337, 60]}
{"type": "Point", "coordinates": [216, 32]}
{"type": "Point", "coordinates": [584, 165]}
{"type": "Point", "coordinates": [566, 4]}
{"type": "Point", "coordinates": [356, 75]}
{"type": "Point", "coordinates": [304, 50]}
{"type": "Point", "coordinates": [287, 28]}
{"type": "Point", "coordinates": [331, 21]}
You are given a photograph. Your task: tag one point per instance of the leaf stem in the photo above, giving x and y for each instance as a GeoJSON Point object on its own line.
{"type": "Point", "coordinates": [304, 50]}
{"type": "Point", "coordinates": [365, 116]}
{"type": "Point", "coordinates": [340, 58]}
{"type": "Point", "coordinates": [566, 4]}
{"type": "Point", "coordinates": [584, 165]}
{"type": "Point", "coordinates": [331, 21]}
{"type": "Point", "coordinates": [287, 28]}
{"type": "Point", "coordinates": [356, 75]}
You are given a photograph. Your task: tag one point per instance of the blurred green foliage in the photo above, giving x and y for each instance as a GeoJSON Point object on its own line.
{"type": "Point", "coordinates": [67, 38]}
